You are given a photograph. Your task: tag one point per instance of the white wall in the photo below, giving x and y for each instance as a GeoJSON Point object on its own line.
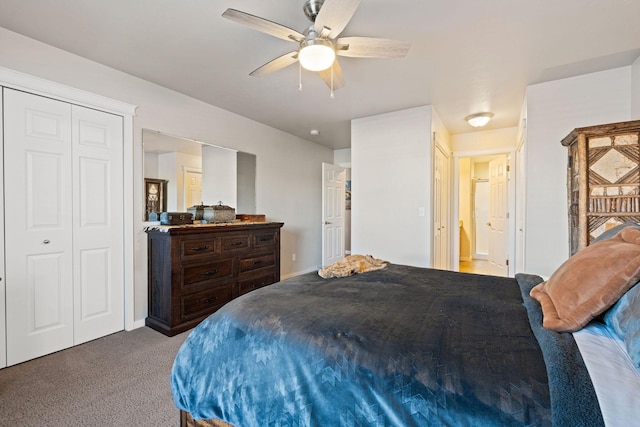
{"type": "Point", "coordinates": [553, 110]}
{"type": "Point", "coordinates": [390, 182]}
{"type": "Point", "coordinates": [219, 176]}
{"type": "Point", "coordinates": [246, 182]}
{"type": "Point", "coordinates": [170, 167]}
{"type": "Point", "coordinates": [438, 127]}
{"type": "Point", "coordinates": [289, 186]}
{"type": "Point", "coordinates": [342, 157]}
{"type": "Point", "coordinates": [485, 140]}
{"type": "Point", "coordinates": [635, 90]}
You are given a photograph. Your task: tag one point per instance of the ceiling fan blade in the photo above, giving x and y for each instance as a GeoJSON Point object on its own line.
{"type": "Point", "coordinates": [370, 47]}
{"type": "Point", "coordinates": [263, 25]}
{"type": "Point", "coordinates": [338, 77]}
{"type": "Point", "coordinates": [276, 64]}
{"type": "Point", "coordinates": [335, 15]}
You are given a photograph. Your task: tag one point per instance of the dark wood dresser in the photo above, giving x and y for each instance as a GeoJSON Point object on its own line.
{"type": "Point", "coordinates": [195, 270]}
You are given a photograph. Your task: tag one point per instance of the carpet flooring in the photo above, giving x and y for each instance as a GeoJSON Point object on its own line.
{"type": "Point", "coordinates": [118, 380]}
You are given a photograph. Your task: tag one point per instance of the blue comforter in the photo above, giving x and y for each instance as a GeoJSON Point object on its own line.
{"type": "Point", "coordinates": [397, 347]}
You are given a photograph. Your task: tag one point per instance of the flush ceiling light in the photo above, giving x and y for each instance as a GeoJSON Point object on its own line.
{"type": "Point", "coordinates": [479, 119]}
{"type": "Point", "coordinates": [316, 54]}
{"type": "Point", "coordinates": [314, 132]}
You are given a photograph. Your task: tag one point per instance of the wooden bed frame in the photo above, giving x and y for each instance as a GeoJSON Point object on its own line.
{"type": "Point", "coordinates": [187, 421]}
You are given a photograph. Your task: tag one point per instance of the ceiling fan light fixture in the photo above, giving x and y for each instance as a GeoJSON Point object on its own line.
{"type": "Point", "coordinates": [316, 54]}
{"type": "Point", "coordinates": [479, 119]}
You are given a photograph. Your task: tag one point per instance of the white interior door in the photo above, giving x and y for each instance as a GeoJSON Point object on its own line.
{"type": "Point", "coordinates": [333, 210]}
{"type": "Point", "coordinates": [498, 215]}
{"type": "Point", "coordinates": [441, 210]}
{"type": "Point", "coordinates": [3, 339]}
{"type": "Point", "coordinates": [38, 226]}
{"type": "Point", "coordinates": [193, 188]}
{"type": "Point", "coordinates": [98, 272]}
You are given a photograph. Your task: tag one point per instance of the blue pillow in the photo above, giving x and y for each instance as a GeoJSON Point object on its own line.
{"type": "Point", "coordinates": [613, 231]}
{"type": "Point", "coordinates": [624, 318]}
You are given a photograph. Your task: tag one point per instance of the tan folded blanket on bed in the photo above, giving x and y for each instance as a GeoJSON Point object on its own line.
{"type": "Point", "coordinates": [351, 265]}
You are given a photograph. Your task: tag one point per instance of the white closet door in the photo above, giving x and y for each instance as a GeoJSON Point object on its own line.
{"type": "Point", "coordinates": [38, 225]}
{"type": "Point", "coordinates": [98, 272]}
{"type": "Point", "coordinates": [3, 339]}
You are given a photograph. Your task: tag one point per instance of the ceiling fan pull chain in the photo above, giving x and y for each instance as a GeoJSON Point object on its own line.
{"type": "Point", "coordinates": [299, 76]}
{"type": "Point", "coordinates": [331, 95]}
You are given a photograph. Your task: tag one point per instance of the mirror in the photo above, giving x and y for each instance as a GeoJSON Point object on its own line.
{"type": "Point", "coordinates": [194, 172]}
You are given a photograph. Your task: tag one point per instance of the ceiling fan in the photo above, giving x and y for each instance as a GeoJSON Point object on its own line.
{"type": "Point", "coordinates": [319, 44]}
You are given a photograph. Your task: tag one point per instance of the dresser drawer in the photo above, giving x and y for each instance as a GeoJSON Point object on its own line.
{"type": "Point", "coordinates": [192, 274]}
{"type": "Point", "coordinates": [257, 261]}
{"type": "Point", "coordinates": [248, 285]}
{"type": "Point", "coordinates": [264, 240]}
{"type": "Point", "coordinates": [203, 303]}
{"type": "Point", "coordinates": [190, 248]}
{"type": "Point", "coordinates": [235, 242]}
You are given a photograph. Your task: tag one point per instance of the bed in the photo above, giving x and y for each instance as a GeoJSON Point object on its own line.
{"type": "Point", "coordinates": [401, 346]}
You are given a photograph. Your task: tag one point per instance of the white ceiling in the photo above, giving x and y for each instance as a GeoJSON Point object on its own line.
{"type": "Point", "coordinates": [466, 56]}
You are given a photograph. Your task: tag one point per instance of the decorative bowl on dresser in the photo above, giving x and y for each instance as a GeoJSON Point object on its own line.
{"type": "Point", "coordinates": [194, 270]}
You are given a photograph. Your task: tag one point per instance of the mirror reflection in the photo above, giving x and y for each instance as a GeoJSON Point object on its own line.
{"type": "Point", "coordinates": [194, 172]}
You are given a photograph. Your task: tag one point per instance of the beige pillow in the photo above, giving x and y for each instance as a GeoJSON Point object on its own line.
{"type": "Point", "coordinates": [590, 282]}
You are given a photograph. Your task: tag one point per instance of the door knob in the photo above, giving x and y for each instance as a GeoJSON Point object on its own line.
{"type": "Point", "coordinates": [327, 223]}
{"type": "Point", "coordinates": [46, 241]}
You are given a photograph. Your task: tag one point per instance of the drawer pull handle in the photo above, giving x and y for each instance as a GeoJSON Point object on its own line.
{"type": "Point", "coordinates": [236, 244]}
{"type": "Point", "coordinates": [201, 248]}
{"type": "Point", "coordinates": [209, 273]}
{"type": "Point", "coordinates": [266, 239]}
{"type": "Point", "coordinates": [208, 300]}
{"type": "Point", "coordinates": [257, 262]}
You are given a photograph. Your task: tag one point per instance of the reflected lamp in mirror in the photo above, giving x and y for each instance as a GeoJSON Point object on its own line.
{"type": "Point", "coordinates": [154, 198]}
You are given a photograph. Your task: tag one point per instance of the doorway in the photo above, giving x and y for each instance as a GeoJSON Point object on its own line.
{"type": "Point", "coordinates": [333, 213]}
{"type": "Point", "coordinates": [483, 205]}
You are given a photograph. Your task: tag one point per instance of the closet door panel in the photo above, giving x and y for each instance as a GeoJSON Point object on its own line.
{"type": "Point", "coordinates": [38, 225]}
{"type": "Point", "coordinates": [3, 337]}
{"type": "Point", "coordinates": [98, 230]}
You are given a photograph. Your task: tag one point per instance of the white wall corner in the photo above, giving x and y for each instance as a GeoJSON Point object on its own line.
{"type": "Point", "coordinates": [635, 90]}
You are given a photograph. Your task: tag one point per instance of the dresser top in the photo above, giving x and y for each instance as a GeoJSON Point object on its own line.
{"type": "Point", "coordinates": [204, 228]}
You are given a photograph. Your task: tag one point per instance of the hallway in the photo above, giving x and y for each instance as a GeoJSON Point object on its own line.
{"type": "Point", "coordinates": [479, 266]}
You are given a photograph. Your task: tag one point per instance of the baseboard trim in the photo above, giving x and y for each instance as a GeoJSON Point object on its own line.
{"type": "Point", "coordinates": [136, 324]}
{"type": "Point", "coordinates": [299, 273]}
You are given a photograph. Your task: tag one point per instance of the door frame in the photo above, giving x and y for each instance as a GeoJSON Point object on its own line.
{"type": "Point", "coordinates": [455, 214]}
{"type": "Point", "coordinates": [447, 235]}
{"type": "Point", "coordinates": [38, 86]}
